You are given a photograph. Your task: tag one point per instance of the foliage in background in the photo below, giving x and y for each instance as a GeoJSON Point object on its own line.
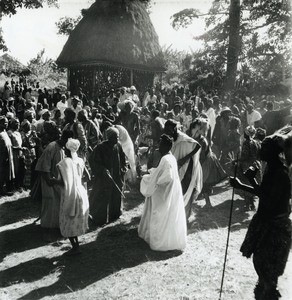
{"type": "Point", "coordinates": [174, 65]}
{"type": "Point", "coordinates": [66, 25]}
{"type": "Point", "coordinates": [46, 71]}
{"type": "Point", "coordinates": [264, 42]}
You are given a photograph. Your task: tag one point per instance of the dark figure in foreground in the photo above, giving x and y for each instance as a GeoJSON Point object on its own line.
{"type": "Point", "coordinates": [108, 165]}
{"type": "Point", "coordinates": [269, 234]}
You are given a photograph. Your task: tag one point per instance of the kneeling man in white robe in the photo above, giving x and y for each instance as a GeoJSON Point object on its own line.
{"type": "Point", "coordinates": [163, 223]}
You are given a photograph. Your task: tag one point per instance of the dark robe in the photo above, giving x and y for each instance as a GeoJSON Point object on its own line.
{"type": "Point", "coordinates": [269, 234]}
{"type": "Point", "coordinates": [105, 199]}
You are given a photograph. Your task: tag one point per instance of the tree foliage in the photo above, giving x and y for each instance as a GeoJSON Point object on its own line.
{"type": "Point", "coordinates": [264, 49]}
{"type": "Point", "coordinates": [66, 25]}
{"type": "Point", "coordinates": [46, 70]}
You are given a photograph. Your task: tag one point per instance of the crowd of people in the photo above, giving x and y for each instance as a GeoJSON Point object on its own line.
{"type": "Point", "coordinates": [75, 154]}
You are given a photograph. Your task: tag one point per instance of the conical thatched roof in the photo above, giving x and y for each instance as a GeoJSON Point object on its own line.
{"type": "Point", "coordinates": [116, 33]}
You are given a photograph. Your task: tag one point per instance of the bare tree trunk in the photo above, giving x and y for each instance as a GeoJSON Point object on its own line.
{"type": "Point", "coordinates": [234, 45]}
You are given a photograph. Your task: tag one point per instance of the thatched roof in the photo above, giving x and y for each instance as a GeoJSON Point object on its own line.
{"type": "Point", "coordinates": [117, 33]}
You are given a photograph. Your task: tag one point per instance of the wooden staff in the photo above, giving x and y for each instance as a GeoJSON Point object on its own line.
{"type": "Point", "coordinates": [229, 227]}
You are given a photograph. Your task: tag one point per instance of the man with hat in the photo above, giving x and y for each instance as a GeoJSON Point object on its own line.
{"type": "Point", "coordinates": [76, 104]}
{"type": "Point", "coordinates": [6, 156]}
{"type": "Point", "coordinates": [62, 105]}
{"type": "Point", "coordinates": [133, 96]}
{"type": "Point", "coordinates": [149, 98]}
{"type": "Point", "coordinates": [123, 97]}
{"type": "Point", "coordinates": [108, 165]}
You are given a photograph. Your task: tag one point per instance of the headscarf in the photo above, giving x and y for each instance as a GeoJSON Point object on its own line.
{"type": "Point", "coordinates": [73, 145]}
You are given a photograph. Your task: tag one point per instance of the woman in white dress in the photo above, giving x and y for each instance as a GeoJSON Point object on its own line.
{"type": "Point", "coordinates": [163, 222]}
{"type": "Point", "coordinates": [74, 205]}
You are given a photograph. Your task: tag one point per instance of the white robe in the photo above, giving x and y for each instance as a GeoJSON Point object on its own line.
{"type": "Point", "coordinates": [212, 119]}
{"type": "Point", "coordinates": [128, 148]}
{"type": "Point", "coordinates": [182, 147]}
{"type": "Point", "coordinates": [163, 222]}
{"type": "Point", "coordinates": [74, 205]}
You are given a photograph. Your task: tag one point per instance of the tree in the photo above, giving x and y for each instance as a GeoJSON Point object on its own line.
{"type": "Point", "coordinates": [233, 44]}
{"type": "Point", "coordinates": [66, 25]}
{"type": "Point", "coordinates": [10, 7]}
{"type": "Point", "coordinates": [252, 33]}
{"type": "Point", "coordinates": [46, 70]}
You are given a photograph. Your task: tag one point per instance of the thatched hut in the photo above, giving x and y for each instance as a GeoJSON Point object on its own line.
{"type": "Point", "coordinates": [114, 45]}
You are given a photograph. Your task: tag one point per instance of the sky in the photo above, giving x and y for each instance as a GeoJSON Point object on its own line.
{"type": "Point", "coordinates": [29, 31]}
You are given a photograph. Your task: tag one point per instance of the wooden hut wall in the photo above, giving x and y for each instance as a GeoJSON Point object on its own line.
{"type": "Point", "coordinates": [107, 78]}
{"type": "Point", "coordinates": [143, 80]}
{"type": "Point", "coordinates": [81, 78]}
{"type": "Point", "coordinates": [96, 81]}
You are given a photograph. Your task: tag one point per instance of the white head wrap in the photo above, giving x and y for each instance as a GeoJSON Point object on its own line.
{"type": "Point", "coordinates": [73, 145]}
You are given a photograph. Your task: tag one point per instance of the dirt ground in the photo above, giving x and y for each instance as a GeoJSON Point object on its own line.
{"type": "Point", "coordinates": [116, 264]}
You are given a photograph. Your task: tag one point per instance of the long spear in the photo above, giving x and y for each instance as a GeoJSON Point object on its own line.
{"type": "Point", "coordinates": [117, 187]}
{"type": "Point", "coordinates": [229, 227]}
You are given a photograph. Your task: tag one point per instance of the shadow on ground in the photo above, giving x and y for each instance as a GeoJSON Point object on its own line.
{"type": "Point", "coordinates": [20, 209]}
{"type": "Point", "coordinates": [218, 216]}
{"type": "Point", "coordinates": [24, 238]}
{"type": "Point", "coordinates": [220, 188]}
{"type": "Point", "coordinates": [136, 197]}
{"type": "Point", "coordinates": [116, 247]}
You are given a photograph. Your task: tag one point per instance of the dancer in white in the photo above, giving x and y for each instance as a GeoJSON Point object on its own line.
{"type": "Point", "coordinates": [163, 222]}
{"type": "Point", "coordinates": [74, 206]}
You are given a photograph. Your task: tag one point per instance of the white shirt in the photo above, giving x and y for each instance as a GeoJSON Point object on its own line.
{"type": "Point", "coordinates": [253, 117]}
{"type": "Point", "coordinates": [212, 118]}
{"type": "Point", "coordinates": [62, 106]}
